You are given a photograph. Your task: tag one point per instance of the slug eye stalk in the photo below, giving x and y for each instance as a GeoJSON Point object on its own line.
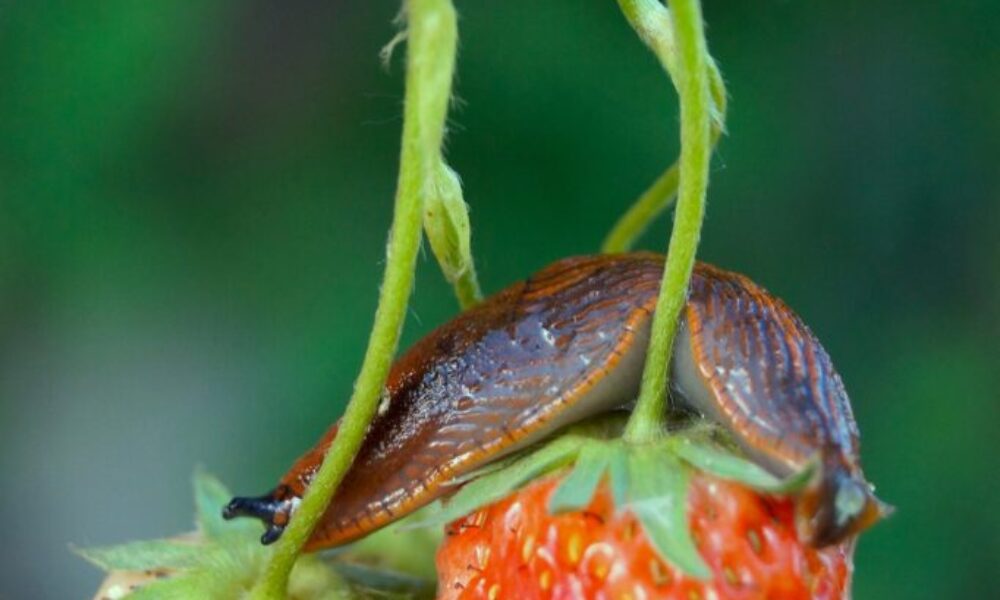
{"type": "Point", "coordinates": [273, 509]}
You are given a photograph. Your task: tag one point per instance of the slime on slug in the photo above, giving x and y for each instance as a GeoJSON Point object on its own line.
{"type": "Point", "coordinates": [569, 343]}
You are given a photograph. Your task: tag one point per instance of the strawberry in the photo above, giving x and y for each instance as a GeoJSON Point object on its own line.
{"type": "Point", "coordinates": [515, 548]}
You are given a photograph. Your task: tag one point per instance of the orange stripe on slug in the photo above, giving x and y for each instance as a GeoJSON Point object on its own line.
{"type": "Point", "coordinates": [570, 342]}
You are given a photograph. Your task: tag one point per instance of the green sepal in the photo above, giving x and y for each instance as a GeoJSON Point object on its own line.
{"type": "Point", "coordinates": [495, 485]}
{"type": "Point", "coordinates": [210, 495]}
{"type": "Point", "coordinates": [497, 465]}
{"type": "Point", "coordinates": [143, 555]}
{"type": "Point", "coordinates": [725, 465]}
{"type": "Point", "coordinates": [658, 489]}
{"type": "Point", "coordinates": [222, 571]}
{"type": "Point", "coordinates": [446, 221]}
{"type": "Point", "coordinates": [577, 489]}
{"type": "Point", "coordinates": [225, 561]}
{"type": "Point", "coordinates": [618, 473]}
{"type": "Point", "coordinates": [169, 589]}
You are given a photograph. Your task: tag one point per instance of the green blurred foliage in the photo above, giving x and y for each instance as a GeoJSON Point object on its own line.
{"type": "Point", "coordinates": [194, 197]}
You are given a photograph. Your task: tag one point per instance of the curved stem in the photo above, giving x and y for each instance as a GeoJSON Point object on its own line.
{"type": "Point", "coordinates": [631, 225]}
{"type": "Point", "coordinates": [692, 81]}
{"type": "Point", "coordinates": [430, 60]}
{"type": "Point", "coordinates": [652, 23]}
{"type": "Point", "coordinates": [467, 288]}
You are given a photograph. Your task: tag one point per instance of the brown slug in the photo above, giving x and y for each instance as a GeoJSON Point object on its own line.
{"type": "Point", "coordinates": [568, 343]}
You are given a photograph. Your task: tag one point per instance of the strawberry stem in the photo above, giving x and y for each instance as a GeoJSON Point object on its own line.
{"type": "Point", "coordinates": [679, 41]}
{"type": "Point", "coordinates": [430, 63]}
{"type": "Point", "coordinates": [651, 204]}
{"type": "Point", "coordinates": [651, 21]}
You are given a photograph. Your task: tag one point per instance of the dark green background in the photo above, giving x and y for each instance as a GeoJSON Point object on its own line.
{"type": "Point", "coordinates": [194, 197]}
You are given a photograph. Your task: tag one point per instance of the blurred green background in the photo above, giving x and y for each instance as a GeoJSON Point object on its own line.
{"type": "Point", "coordinates": [194, 198]}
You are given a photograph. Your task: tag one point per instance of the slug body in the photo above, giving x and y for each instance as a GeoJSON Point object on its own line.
{"type": "Point", "coordinates": [568, 343]}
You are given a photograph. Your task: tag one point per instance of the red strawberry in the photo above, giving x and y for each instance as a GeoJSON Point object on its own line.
{"type": "Point", "coordinates": [516, 549]}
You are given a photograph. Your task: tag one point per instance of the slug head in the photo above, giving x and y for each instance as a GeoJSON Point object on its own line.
{"type": "Point", "coordinates": [840, 506]}
{"type": "Point", "coordinates": [273, 509]}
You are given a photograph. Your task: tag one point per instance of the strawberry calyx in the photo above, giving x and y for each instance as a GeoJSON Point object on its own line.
{"type": "Point", "coordinates": [516, 548]}
{"type": "Point", "coordinates": [652, 480]}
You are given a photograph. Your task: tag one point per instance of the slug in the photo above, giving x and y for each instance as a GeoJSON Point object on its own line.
{"type": "Point", "coordinates": [569, 343]}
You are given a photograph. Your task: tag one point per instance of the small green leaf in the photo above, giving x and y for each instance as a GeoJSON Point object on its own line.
{"type": "Point", "coordinates": [576, 491]}
{"type": "Point", "coordinates": [221, 572]}
{"type": "Point", "coordinates": [796, 482]}
{"type": "Point", "coordinates": [494, 486]}
{"type": "Point", "coordinates": [446, 221]}
{"type": "Point", "coordinates": [714, 461]}
{"type": "Point", "coordinates": [143, 555]}
{"type": "Point", "coordinates": [210, 495]}
{"type": "Point", "coordinates": [658, 498]}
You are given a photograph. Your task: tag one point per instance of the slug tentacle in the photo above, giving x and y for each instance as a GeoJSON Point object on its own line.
{"type": "Point", "coordinates": [568, 343]}
{"type": "Point", "coordinates": [273, 508]}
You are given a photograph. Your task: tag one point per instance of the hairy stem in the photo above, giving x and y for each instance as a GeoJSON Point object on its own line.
{"type": "Point", "coordinates": [430, 60]}
{"type": "Point", "coordinates": [631, 225]}
{"type": "Point", "coordinates": [467, 289]}
{"type": "Point", "coordinates": [692, 81]}
{"type": "Point", "coordinates": [652, 23]}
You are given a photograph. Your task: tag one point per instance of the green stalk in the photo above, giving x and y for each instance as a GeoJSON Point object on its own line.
{"type": "Point", "coordinates": [692, 81]}
{"type": "Point", "coordinates": [652, 23]}
{"type": "Point", "coordinates": [430, 61]}
{"type": "Point", "coordinates": [631, 225]}
{"type": "Point", "coordinates": [467, 289]}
